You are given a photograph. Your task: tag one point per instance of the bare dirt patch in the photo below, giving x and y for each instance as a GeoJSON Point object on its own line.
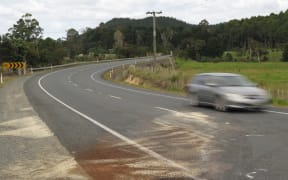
{"type": "Point", "coordinates": [120, 161]}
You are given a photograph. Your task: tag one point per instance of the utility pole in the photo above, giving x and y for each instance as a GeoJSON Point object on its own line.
{"type": "Point", "coordinates": [154, 32]}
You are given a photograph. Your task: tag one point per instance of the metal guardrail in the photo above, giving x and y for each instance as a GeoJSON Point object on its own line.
{"type": "Point", "coordinates": [81, 63]}
{"type": "Point", "coordinates": [51, 67]}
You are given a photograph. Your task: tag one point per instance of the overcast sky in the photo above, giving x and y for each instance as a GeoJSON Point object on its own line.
{"type": "Point", "coordinates": [56, 16]}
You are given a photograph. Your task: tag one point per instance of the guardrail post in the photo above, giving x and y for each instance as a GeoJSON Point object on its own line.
{"type": "Point", "coordinates": [1, 78]}
{"type": "Point", "coordinates": [19, 72]}
{"type": "Point", "coordinates": [51, 67]}
{"type": "Point", "coordinates": [31, 70]}
{"type": "Point", "coordinates": [110, 74]}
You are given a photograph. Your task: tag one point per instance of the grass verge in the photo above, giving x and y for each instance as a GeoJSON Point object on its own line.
{"type": "Point", "coordinates": [272, 76]}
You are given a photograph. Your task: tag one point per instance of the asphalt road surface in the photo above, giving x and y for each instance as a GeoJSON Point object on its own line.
{"type": "Point", "coordinates": [120, 132]}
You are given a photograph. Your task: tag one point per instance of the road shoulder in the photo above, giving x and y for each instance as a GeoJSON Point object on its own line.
{"type": "Point", "coordinates": [29, 150]}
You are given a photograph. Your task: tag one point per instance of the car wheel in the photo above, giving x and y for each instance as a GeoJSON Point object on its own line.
{"type": "Point", "coordinates": [193, 99]}
{"type": "Point", "coordinates": [220, 104]}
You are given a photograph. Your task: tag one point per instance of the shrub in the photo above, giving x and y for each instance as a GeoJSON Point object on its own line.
{"type": "Point", "coordinates": [228, 57]}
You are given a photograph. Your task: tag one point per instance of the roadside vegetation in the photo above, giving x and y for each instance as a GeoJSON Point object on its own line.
{"type": "Point", "coordinates": [259, 38]}
{"type": "Point", "coordinates": [272, 76]}
{"type": "Point", "coordinates": [256, 47]}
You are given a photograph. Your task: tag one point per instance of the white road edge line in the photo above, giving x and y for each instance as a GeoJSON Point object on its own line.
{"type": "Point", "coordinates": [115, 97]}
{"type": "Point", "coordinates": [169, 110]}
{"type": "Point", "coordinates": [118, 135]}
{"type": "Point", "coordinates": [276, 112]}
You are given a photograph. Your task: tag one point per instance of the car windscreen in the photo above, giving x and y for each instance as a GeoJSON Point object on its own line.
{"type": "Point", "coordinates": [231, 81]}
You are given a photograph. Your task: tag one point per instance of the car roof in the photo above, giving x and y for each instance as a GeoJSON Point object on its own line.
{"type": "Point", "coordinates": [218, 74]}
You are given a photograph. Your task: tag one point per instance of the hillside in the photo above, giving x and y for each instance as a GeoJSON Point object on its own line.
{"type": "Point", "coordinates": [162, 22]}
{"type": "Point", "coordinates": [257, 34]}
{"type": "Point", "coordinates": [259, 38]}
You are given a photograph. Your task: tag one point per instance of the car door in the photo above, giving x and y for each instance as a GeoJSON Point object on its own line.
{"type": "Point", "coordinates": [208, 90]}
{"type": "Point", "coordinates": [203, 90]}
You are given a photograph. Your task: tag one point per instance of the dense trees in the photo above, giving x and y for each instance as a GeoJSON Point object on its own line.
{"type": "Point", "coordinates": [24, 38]}
{"type": "Point", "coordinates": [21, 43]}
{"type": "Point", "coordinates": [24, 42]}
{"type": "Point", "coordinates": [251, 38]}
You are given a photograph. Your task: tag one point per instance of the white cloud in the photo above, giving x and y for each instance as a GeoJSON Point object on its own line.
{"type": "Point", "coordinates": [56, 16]}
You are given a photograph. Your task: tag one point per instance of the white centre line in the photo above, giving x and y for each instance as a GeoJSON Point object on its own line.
{"type": "Point", "coordinates": [254, 135]}
{"type": "Point", "coordinates": [76, 85]}
{"type": "Point", "coordinates": [250, 175]}
{"type": "Point", "coordinates": [26, 109]}
{"type": "Point", "coordinates": [118, 135]}
{"type": "Point", "coordinates": [194, 115]}
{"type": "Point", "coordinates": [89, 90]}
{"type": "Point", "coordinates": [115, 97]}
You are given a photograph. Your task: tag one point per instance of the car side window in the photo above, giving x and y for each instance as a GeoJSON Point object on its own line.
{"type": "Point", "coordinates": [198, 80]}
{"type": "Point", "coordinates": [212, 80]}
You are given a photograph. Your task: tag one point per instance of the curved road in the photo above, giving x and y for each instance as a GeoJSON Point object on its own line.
{"type": "Point", "coordinates": [120, 132]}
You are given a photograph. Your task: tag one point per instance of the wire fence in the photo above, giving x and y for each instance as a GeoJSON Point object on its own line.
{"type": "Point", "coordinates": [278, 93]}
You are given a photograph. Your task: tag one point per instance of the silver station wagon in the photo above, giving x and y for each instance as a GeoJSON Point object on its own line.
{"type": "Point", "coordinates": [226, 90]}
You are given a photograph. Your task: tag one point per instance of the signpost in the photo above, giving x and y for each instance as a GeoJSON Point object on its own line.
{"type": "Point", "coordinates": [12, 65]}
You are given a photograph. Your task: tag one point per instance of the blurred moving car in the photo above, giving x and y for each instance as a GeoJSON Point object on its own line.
{"type": "Point", "coordinates": [226, 90]}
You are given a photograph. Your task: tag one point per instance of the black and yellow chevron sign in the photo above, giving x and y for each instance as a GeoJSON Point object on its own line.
{"type": "Point", "coordinates": [13, 65]}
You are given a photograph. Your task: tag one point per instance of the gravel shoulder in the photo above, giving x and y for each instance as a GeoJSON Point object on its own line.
{"type": "Point", "coordinates": [29, 150]}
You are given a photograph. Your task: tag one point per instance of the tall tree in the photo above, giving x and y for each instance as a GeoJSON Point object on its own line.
{"type": "Point", "coordinates": [27, 28]}
{"type": "Point", "coordinates": [25, 35]}
{"type": "Point", "coordinates": [72, 42]}
{"type": "Point", "coordinates": [204, 22]}
{"type": "Point", "coordinates": [72, 34]}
